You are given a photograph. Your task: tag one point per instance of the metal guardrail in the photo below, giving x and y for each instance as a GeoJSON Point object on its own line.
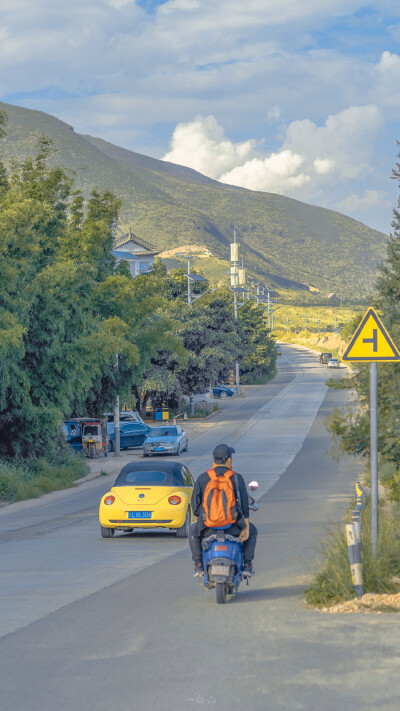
{"type": "Point", "coordinates": [354, 538]}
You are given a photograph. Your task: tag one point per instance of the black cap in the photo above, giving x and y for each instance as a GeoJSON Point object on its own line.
{"type": "Point", "coordinates": [222, 451]}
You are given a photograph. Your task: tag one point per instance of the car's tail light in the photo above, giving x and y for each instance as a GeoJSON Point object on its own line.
{"type": "Point", "coordinates": [109, 500]}
{"type": "Point", "coordinates": [174, 500]}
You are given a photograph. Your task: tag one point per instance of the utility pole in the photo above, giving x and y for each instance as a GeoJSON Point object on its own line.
{"type": "Point", "coordinates": [287, 324]}
{"type": "Point", "coordinates": [306, 323]}
{"type": "Point", "coordinates": [117, 451]}
{"type": "Point", "coordinates": [269, 316]}
{"type": "Point", "coordinates": [234, 260]}
{"type": "Point", "coordinates": [318, 325]}
{"type": "Point", "coordinates": [189, 288]}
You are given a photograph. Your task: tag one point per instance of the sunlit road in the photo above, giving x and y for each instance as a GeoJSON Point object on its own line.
{"type": "Point", "coordinates": [96, 624]}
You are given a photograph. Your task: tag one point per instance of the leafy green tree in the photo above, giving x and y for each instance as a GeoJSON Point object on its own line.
{"type": "Point", "coordinates": [177, 284]}
{"type": "Point", "coordinates": [260, 352]}
{"type": "Point", "coordinates": [56, 343]}
{"type": "Point", "coordinates": [351, 430]}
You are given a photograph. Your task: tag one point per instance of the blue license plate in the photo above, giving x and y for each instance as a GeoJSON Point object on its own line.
{"type": "Point", "coordinates": [139, 514]}
{"type": "Point", "coordinates": [158, 449]}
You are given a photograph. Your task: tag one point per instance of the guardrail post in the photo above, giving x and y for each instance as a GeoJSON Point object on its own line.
{"type": "Point", "coordinates": [354, 550]}
{"type": "Point", "coordinates": [354, 538]}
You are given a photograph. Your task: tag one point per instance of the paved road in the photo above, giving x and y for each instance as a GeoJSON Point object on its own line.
{"type": "Point", "coordinates": [99, 624]}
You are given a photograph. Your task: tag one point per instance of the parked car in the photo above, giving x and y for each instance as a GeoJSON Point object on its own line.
{"type": "Point", "coordinates": [148, 495]}
{"type": "Point", "coordinates": [73, 435]}
{"type": "Point", "coordinates": [126, 415]}
{"type": "Point", "coordinates": [334, 363]}
{"type": "Point", "coordinates": [324, 357]}
{"type": "Point", "coordinates": [168, 439]}
{"type": "Point", "coordinates": [222, 391]}
{"type": "Point", "coordinates": [131, 434]}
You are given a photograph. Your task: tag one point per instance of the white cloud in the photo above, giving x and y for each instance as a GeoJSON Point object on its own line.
{"type": "Point", "coordinates": [370, 199]}
{"type": "Point", "coordinates": [322, 166]}
{"type": "Point", "coordinates": [202, 145]}
{"type": "Point", "coordinates": [173, 5]}
{"type": "Point", "coordinates": [346, 140]}
{"type": "Point", "coordinates": [278, 172]}
{"type": "Point", "coordinates": [389, 63]}
{"type": "Point", "coordinates": [274, 114]}
{"type": "Point", "coordinates": [336, 152]}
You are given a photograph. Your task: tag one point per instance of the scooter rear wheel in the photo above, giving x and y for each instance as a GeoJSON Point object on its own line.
{"type": "Point", "coordinates": [220, 592]}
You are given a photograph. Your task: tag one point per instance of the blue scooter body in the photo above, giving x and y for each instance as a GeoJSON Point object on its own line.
{"type": "Point", "coordinates": [226, 553]}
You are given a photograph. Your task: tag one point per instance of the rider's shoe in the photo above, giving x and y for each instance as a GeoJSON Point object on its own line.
{"type": "Point", "coordinates": [198, 569]}
{"type": "Point", "coordinates": [248, 570]}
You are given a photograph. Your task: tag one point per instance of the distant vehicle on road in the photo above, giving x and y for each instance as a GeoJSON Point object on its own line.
{"type": "Point", "coordinates": [169, 439]}
{"type": "Point", "coordinates": [324, 357]}
{"type": "Point", "coordinates": [334, 363]}
{"type": "Point", "coordinates": [222, 391]}
{"type": "Point", "coordinates": [131, 434]}
{"type": "Point", "coordinates": [148, 495]}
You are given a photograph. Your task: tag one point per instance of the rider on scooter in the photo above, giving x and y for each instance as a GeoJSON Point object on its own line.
{"type": "Point", "coordinates": [246, 531]}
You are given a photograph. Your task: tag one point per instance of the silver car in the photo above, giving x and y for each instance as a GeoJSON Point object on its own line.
{"type": "Point", "coordinates": [166, 439]}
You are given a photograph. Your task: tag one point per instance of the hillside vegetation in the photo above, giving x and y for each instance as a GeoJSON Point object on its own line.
{"type": "Point", "coordinates": [290, 244]}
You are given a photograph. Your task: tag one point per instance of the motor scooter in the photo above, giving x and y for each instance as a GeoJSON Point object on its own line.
{"type": "Point", "coordinates": [223, 559]}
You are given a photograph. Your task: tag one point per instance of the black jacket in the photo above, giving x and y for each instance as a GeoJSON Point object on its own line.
{"type": "Point", "coordinates": [198, 494]}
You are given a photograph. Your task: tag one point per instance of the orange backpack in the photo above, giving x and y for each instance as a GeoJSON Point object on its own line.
{"type": "Point", "coordinates": [219, 502]}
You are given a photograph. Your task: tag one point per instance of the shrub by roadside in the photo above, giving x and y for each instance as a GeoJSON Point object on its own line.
{"type": "Point", "coordinates": [28, 481]}
{"type": "Point", "coordinates": [333, 584]}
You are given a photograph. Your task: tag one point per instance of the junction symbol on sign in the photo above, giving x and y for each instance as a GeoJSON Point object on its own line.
{"type": "Point", "coordinates": [371, 342]}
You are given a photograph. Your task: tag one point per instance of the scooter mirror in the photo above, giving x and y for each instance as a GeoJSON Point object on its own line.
{"type": "Point", "coordinates": [253, 485]}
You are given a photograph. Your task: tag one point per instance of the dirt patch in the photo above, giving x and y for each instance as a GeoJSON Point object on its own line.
{"type": "Point", "coordinates": [371, 602]}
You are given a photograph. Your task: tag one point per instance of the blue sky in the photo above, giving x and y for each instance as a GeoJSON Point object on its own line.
{"type": "Point", "coordinates": [273, 95]}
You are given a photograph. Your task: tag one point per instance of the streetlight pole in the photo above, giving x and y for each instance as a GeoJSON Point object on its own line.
{"type": "Point", "coordinates": [117, 440]}
{"type": "Point", "coordinates": [189, 288]}
{"type": "Point", "coordinates": [234, 255]}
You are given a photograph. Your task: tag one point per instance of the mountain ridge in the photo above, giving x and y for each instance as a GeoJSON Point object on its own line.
{"type": "Point", "coordinates": [283, 240]}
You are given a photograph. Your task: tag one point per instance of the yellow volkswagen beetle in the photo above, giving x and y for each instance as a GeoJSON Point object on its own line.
{"type": "Point", "coordinates": [148, 495]}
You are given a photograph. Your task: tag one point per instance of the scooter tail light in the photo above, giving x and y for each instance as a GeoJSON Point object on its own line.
{"type": "Point", "coordinates": [174, 500]}
{"type": "Point", "coordinates": [109, 500]}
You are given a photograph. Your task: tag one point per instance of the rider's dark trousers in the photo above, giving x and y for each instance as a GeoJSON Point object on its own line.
{"type": "Point", "coordinates": [234, 530]}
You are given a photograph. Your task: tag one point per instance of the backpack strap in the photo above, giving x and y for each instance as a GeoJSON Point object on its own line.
{"type": "Point", "coordinates": [238, 498]}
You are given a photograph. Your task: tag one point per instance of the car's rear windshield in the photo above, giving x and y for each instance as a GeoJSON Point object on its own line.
{"type": "Point", "coordinates": [150, 478]}
{"type": "Point", "coordinates": [163, 432]}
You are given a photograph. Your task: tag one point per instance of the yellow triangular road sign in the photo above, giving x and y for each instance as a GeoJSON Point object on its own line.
{"type": "Point", "coordinates": [371, 342]}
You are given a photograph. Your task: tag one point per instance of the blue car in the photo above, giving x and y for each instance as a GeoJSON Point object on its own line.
{"type": "Point", "coordinates": [223, 391]}
{"type": "Point", "coordinates": [166, 439]}
{"type": "Point", "coordinates": [131, 434]}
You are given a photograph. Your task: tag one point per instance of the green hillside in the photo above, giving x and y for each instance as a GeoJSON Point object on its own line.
{"type": "Point", "coordinates": [286, 242]}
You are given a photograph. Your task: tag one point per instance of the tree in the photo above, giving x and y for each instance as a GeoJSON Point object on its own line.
{"type": "Point", "coordinates": [351, 430]}
{"type": "Point", "coordinates": [260, 353]}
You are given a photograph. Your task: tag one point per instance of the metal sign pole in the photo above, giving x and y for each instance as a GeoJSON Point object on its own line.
{"type": "Point", "coordinates": [371, 343]}
{"type": "Point", "coordinates": [373, 384]}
